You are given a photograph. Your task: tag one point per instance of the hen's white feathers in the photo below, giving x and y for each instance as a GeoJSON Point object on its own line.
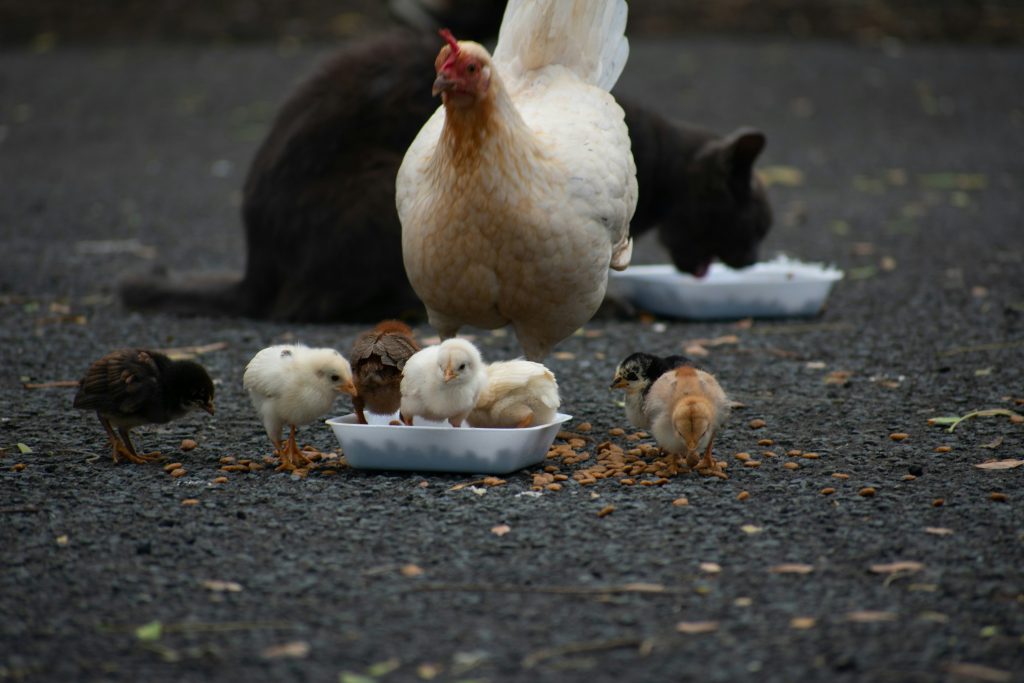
{"type": "Point", "coordinates": [516, 391]}
{"type": "Point", "coordinates": [533, 36]}
{"type": "Point", "coordinates": [531, 189]}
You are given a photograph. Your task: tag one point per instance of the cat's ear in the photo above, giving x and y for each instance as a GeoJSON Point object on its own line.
{"type": "Point", "coordinates": [741, 148]}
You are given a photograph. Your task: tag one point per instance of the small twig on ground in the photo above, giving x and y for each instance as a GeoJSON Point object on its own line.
{"type": "Point", "coordinates": [16, 510]}
{"type": "Point", "coordinates": [582, 647]}
{"type": "Point", "coordinates": [186, 352]}
{"type": "Point", "coordinates": [54, 384]}
{"type": "Point", "coordinates": [654, 588]}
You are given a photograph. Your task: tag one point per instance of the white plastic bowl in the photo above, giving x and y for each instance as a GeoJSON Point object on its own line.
{"type": "Point", "coordinates": [774, 289]}
{"type": "Point", "coordinates": [439, 447]}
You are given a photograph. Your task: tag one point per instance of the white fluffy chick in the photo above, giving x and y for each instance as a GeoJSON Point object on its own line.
{"type": "Point", "coordinates": [686, 407]}
{"type": "Point", "coordinates": [518, 393]}
{"type": "Point", "coordinates": [292, 384]}
{"type": "Point", "coordinates": [442, 382]}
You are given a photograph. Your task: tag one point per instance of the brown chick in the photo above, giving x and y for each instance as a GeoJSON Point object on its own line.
{"type": "Point", "coordinates": [686, 407]}
{"type": "Point", "coordinates": [378, 358]}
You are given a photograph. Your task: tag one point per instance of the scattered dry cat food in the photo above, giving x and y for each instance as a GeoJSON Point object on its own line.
{"type": "Point", "coordinates": [18, 467]}
{"type": "Point", "coordinates": [606, 510]}
{"type": "Point", "coordinates": [554, 487]}
{"type": "Point", "coordinates": [791, 465]}
{"type": "Point", "coordinates": [180, 472]}
{"type": "Point", "coordinates": [757, 423]}
{"type": "Point", "coordinates": [171, 466]}
{"type": "Point", "coordinates": [827, 491]}
{"type": "Point", "coordinates": [998, 496]}
{"type": "Point", "coordinates": [188, 445]}
{"type": "Point", "coordinates": [840, 475]}
{"type": "Point", "coordinates": [867, 492]}
{"type": "Point", "coordinates": [234, 468]}
{"type": "Point", "coordinates": [220, 480]}
{"type": "Point", "coordinates": [742, 456]}
{"type": "Point", "coordinates": [681, 502]}
{"type": "Point", "coordinates": [765, 442]}
{"type": "Point", "coordinates": [227, 460]}
{"type": "Point", "coordinates": [742, 495]}
{"type": "Point", "coordinates": [584, 427]}
{"type": "Point", "coordinates": [810, 456]}
{"type": "Point", "coordinates": [768, 454]}
{"type": "Point", "coordinates": [190, 501]}
{"type": "Point", "coordinates": [751, 463]}
{"type": "Point", "coordinates": [495, 481]}
{"type": "Point", "coordinates": [626, 481]}
{"type": "Point", "coordinates": [938, 502]}
{"type": "Point", "coordinates": [943, 449]}
{"type": "Point", "coordinates": [908, 477]}
{"type": "Point", "coordinates": [254, 466]}
{"type": "Point", "coordinates": [794, 453]}
{"type": "Point", "coordinates": [616, 431]}
{"type": "Point", "coordinates": [899, 436]}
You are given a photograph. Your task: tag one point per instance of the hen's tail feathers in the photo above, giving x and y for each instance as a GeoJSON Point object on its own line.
{"type": "Point", "coordinates": [207, 295]}
{"type": "Point", "coordinates": [587, 37]}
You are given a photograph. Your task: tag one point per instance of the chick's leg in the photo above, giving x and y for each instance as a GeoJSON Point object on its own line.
{"type": "Point", "coordinates": [708, 466]}
{"type": "Point", "coordinates": [129, 452]}
{"type": "Point", "coordinates": [291, 457]}
{"type": "Point", "coordinates": [115, 442]}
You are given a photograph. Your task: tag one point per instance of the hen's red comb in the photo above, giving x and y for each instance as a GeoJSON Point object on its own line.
{"type": "Point", "coordinates": [452, 43]}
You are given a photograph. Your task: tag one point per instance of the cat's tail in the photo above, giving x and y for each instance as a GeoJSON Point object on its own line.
{"type": "Point", "coordinates": [205, 295]}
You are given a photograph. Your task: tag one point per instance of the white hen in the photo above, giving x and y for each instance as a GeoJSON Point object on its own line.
{"type": "Point", "coordinates": [519, 393]}
{"type": "Point", "coordinates": [516, 196]}
{"type": "Point", "coordinates": [442, 382]}
{"type": "Point", "coordinates": [292, 384]}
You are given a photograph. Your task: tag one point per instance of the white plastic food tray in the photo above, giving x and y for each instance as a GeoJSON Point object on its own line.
{"type": "Point", "coordinates": [773, 289]}
{"type": "Point", "coordinates": [439, 447]}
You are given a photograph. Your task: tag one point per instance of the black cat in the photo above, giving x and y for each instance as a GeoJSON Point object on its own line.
{"type": "Point", "coordinates": [322, 233]}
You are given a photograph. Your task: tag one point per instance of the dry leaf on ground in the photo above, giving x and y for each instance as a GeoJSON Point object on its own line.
{"type": "Point", "coordinates": [1006, 464]}
{"type": "Point", "coordinates": [893, 567]}
{"type": "Point", "coordinates": [791, 568]}
{"type": "Point", "coordinates": [693, 627]}
{"type": "Point", "coordinates": [296, 649]}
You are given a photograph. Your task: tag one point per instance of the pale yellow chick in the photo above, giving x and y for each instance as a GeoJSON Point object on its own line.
{"type": "Point", "coordinates": [519, 393]}
{"type": "Point", "coordinates": [442, 382]}
{"type": "Point", "coordinates": [686, 407]}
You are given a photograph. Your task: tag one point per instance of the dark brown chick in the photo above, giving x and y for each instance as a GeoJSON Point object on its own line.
{"type": "Point", "coordinates": [131, 387]}
{"type": "Point", "coordinates": [377, 358]}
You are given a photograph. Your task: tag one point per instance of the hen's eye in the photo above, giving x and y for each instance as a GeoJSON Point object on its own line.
{"type": "Point", "coordinates": [334, 378]}
{"type": "Point", "coordinates": [471, 68]}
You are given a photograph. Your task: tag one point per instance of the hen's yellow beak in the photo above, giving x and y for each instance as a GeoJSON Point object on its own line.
{"type": "Point", "coordinates": [442, 84]}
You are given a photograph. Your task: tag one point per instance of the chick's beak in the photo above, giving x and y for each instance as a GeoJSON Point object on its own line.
{"type": "Point", "coordinates": [449, 374]}
{"type": "Point", "coordinates": [441, 84]}
{"type": "Point", "coordinates": [208, 406]}
{"type": "Point", "coordinates": [346, 387]}
{"type": "Point", "coordinates": [618, 382]}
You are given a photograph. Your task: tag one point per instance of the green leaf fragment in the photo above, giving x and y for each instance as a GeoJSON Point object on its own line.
{"type": "Point", "coordinates": [149, 632]}
{"type": "Point", "coordinates": [24, 448]}
{"type": "Point", "coordinates": [383, 668]}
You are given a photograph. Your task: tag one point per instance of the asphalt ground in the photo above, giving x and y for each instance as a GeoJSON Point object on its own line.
{"type": "Point", "coordinates": [900, 164]}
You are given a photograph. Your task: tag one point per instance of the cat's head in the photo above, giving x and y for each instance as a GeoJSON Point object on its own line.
{"type": "Point", "coordinates": [726, 214]}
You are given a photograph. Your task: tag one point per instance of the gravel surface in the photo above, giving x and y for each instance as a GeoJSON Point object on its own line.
{"type": "Point", "coordinates": [902, 166]}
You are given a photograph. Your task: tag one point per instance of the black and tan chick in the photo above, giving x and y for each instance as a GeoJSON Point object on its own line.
{"type": "Point", "coordinates": [132, 387]}
{"type": "Point", "coordinates": [636, 373]}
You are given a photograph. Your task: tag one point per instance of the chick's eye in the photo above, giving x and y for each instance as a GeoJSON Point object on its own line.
{"type": "Point", "coordinates": [471, 68]}
{"type": "Point", "coordinates": [462, 367]}
{"type": "Point", "coordinates": [631, 377]}
{"type": "Point", "coordinates": [334, 378]}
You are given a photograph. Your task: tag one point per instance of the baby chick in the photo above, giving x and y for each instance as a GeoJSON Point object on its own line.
{"type": "Point", "coordinates": [518, 393]}
{"type": "Point", "coordinates": [686, 407]}
{"type": "Point", "coordinates": [636, 373]}
{"type": "Point", "coordinates": [378, 357]}
{"type": "Point", "coordinates": [132, 387]}
{"type": "Point", "coordinates": [292, 384]}
{"type": "Point", "coordinates": [442, 382]}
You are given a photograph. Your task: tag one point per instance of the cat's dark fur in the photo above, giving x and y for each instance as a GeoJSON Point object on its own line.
{"type": "Point", "coordinates": [322, 233]}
